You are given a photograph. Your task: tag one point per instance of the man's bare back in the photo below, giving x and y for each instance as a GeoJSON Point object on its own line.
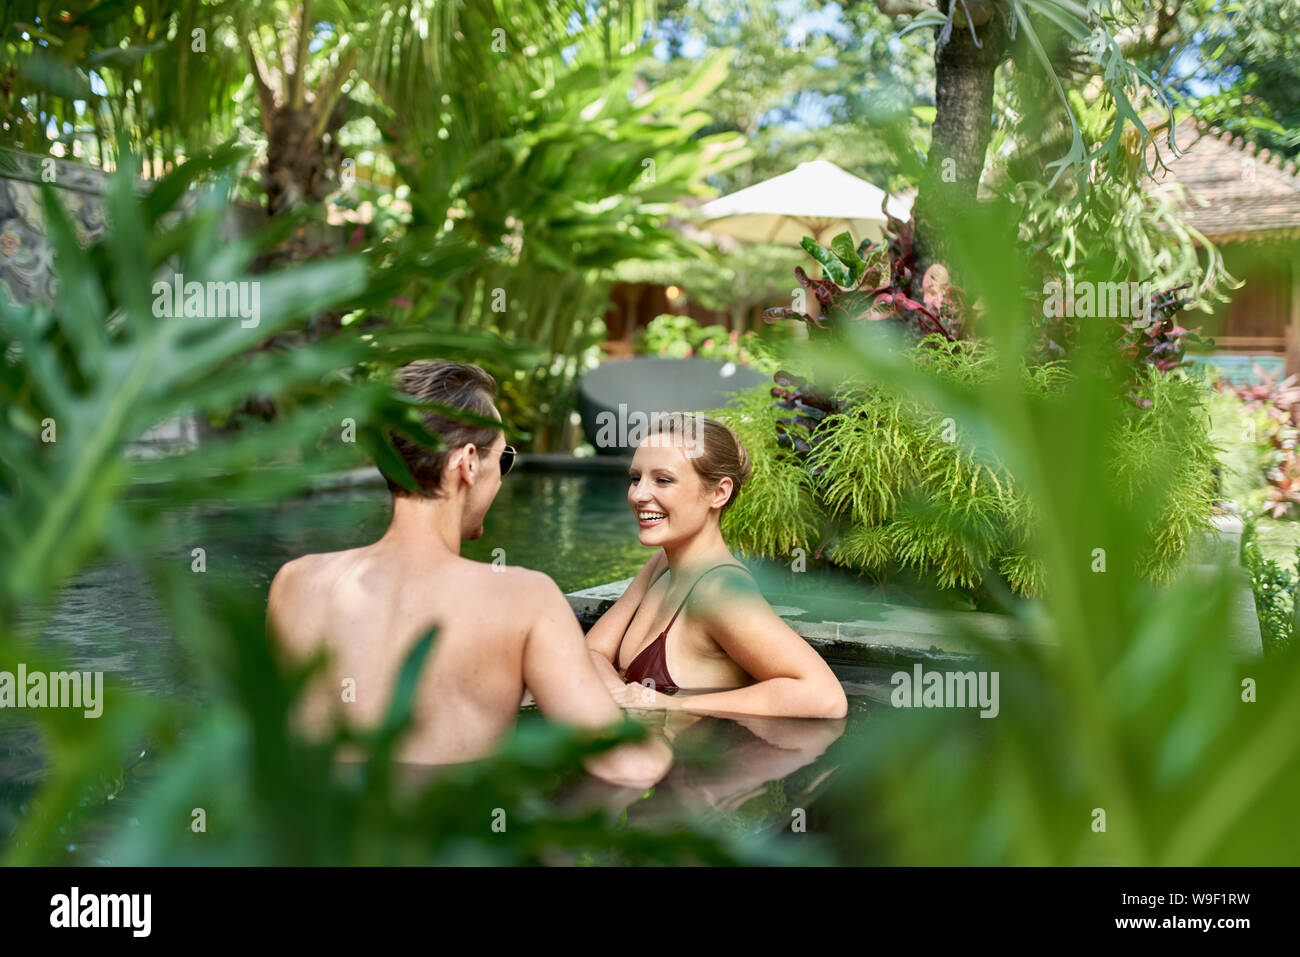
{"type": "Point", "coordinates": [366, 615]}
{"type": "Point", "coordinates": [500, 629]}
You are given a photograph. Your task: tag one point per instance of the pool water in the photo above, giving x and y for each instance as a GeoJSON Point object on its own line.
{"type": "Point", "coordinates": [575, 527]}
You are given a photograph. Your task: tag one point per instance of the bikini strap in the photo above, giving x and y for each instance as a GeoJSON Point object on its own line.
{"type": "Point", "coordinates": [692, 588]}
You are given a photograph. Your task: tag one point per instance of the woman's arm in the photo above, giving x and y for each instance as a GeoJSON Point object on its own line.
{"type": "Point", "coordinates": [604, 636]}
{"type": "Point", "coordinates": [790, 679]}
{"type": "Point", "coordinates": [557, 668]}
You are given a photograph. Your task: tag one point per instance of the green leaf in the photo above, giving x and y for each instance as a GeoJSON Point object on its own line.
{"type": "Point", "coordinates": [842, 247]}
{"type": "Point", "coordinates": [832, 267]}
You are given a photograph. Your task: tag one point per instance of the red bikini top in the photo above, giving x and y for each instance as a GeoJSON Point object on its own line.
{"type": "Point", "coordinates": [651, 665]}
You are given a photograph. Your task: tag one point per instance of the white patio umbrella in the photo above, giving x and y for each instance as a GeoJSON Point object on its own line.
{"type": "Point", "coordinates": [815, 199]}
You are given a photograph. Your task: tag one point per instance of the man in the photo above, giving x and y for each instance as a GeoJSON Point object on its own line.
{"type": "Point", "coordinates": [501, 629]}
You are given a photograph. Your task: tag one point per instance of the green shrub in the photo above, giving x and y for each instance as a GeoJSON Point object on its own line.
{"type": "Point", "coordinates": [1275, 589]}
{"type": "Point", "coordinates": [1253, 426]}
{"type": "Point", "coordinates": [778, 511]}
{"type": "Point", "coordinates": [680, 337]}
{"type": "Point", "coordinates": [889, 483]}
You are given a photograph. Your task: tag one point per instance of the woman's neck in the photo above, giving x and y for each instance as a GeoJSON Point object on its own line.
{"type": "Point", "coordinates": [706, 547]}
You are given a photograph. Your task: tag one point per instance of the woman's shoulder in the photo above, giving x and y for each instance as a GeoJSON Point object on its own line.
{"type": "Point", "coordinates": [724, 582]}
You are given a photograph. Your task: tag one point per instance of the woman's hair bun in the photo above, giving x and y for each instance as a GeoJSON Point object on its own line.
{"type": "Point", "coordinates": [746, 468]}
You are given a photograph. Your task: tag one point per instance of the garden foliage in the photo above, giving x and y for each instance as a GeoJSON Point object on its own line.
{"type": "Point", "coordinates": [1275, 589]}
{"type": "Point", "coordinates": [1131, 730]}
{"type": "Point", "coordinates": [1258, 424]}
{"type": "Point", "coordinates": [878, 480]}
{"type": "Point", "coordinates": [99, 367]}
{"type": "Point", "coordinates": [887, 481]}
{"type": "Point", "coordinates": [681, 337]}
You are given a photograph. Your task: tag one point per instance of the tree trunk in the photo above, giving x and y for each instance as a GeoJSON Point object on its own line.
{"type": "Point", "coordinates": [963, 125]}
{"type": "Point", "coordinates": [298, 158]}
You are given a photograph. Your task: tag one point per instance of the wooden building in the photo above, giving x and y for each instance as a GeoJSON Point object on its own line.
{"type": "Point", "coordinates": [1247, 202]}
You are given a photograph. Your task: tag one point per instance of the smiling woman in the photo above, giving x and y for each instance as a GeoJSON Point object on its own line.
{"type": "Point", "coordinates": [723, 643]}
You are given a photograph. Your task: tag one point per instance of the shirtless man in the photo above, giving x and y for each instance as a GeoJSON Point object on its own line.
{"type": "Point", "coordinates": [501, 630]}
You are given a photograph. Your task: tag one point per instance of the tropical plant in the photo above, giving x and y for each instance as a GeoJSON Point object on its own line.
{"type": "Point", "coordinates": [299, 76]}
{"type": "Point", "coordinates": [680, 337]}
{"type": "Point", "coordinates": [163, 79]}
{"type": "Point", "coordinates": [1062, 42]}
{"type": "Point", "coordinates": [874, 282]}
{"type": "Point", "coordinates": [1257, 423]}
{"type": "Point", "coordinates": [170, 80]}
{"type": "Point", "coordinates": [82, 376]}
{"type": "Point", "coordinates": [553, 165]}
{"type": "Point", "coordinates": [1127, 730]}
{"type": "Point", "coordinates": [895, 487]}
{"type": "Point", "coordinates": [1122, 227]}
{"type": "Point", "coordinates": [1245, 453]}
{"type": "Point", "coordinates": [1243, 76]}
{"type": "Point", "coordinates": [1275, 589]}
{"type": "Point", "coordinates": [885, 483]}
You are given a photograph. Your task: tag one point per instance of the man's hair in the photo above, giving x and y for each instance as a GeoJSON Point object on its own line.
{"type": "Point", "coordinates": [454, 384]}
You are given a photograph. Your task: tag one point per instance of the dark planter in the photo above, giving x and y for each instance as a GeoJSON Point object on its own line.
{"type": "Point", "coordinates": [618, 399]}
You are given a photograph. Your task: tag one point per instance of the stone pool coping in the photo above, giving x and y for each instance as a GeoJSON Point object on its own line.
{"type": "Point", "coordinates": [892, 634]}
{"type": "Point", "coordinates": [882, 633]}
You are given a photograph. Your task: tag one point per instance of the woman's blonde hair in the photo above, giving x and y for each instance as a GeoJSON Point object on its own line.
{"type": "Point", "coordinates": [710, 446]}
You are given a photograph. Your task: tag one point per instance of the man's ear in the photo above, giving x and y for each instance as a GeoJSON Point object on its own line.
{"type": "Point", "coordinates": [469, 463]}
{"type": "Point", "coordinates": [464, 464]}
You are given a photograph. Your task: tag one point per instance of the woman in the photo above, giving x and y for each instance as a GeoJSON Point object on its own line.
{"type": "Point", "coordinates": [692, 619]}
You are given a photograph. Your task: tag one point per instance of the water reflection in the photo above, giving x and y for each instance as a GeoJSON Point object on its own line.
{"type": "Point", "coordinates": [749, 773]}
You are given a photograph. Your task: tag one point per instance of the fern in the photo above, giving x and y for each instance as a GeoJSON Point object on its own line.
{"type": "Point", "coordinates": [894, 485]}
{"type": "Point", "coordinates": [777, 512]}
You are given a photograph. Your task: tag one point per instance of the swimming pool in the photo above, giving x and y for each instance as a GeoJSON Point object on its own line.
{"type": "Point", "coordinates": [574, 526]}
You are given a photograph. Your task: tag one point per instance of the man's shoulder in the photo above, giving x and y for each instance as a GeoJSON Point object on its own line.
{"type": "Point", "coordinates": [297, 571]}
{"type": "Point", "coordinates": [297, 579]}
{"type": "Point", "coordinates": [522, 595]}
{"type": "Point", "coordinates": [510, 582]}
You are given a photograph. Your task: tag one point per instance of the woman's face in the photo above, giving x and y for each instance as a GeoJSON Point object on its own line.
{"type": "Point", "coordinates": [667, 495]}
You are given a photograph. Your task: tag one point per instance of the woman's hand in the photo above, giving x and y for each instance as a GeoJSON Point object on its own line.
{"type": "Point", "coordinates": [639, 697]}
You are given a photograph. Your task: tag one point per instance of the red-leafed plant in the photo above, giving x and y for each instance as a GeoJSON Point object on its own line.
{"type": "Point", "coordinates": [873, 282]}
{"type": "Point", "coordinates": [1279, 399]}
{"type": "Point", "coordinates": [1284, 487]}
{"type": "Point", "coordinates": [870, 283]}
